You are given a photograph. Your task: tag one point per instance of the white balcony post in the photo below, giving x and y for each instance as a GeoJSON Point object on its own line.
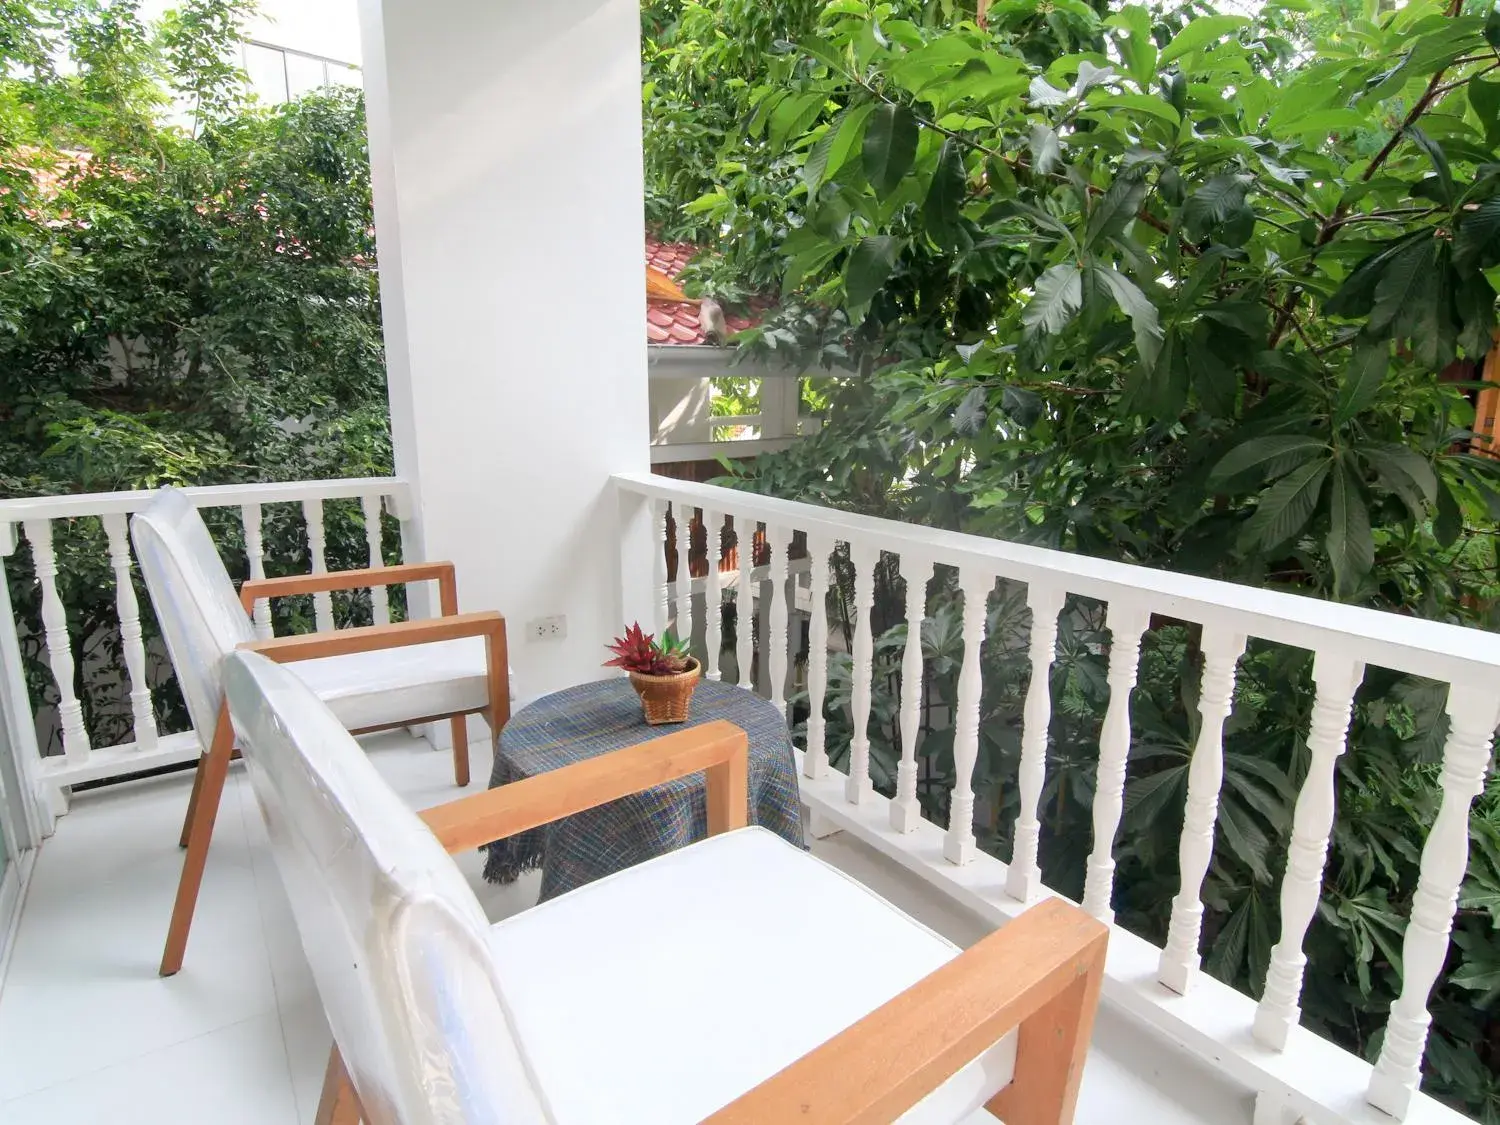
{"type": "Point", "coordinates": [906, 811]}
{"type": "Point", "coordinates": [496, 327]}
{"type": "Point", "coordinates": [959, 844]}
{"type": "Point", "coordinates": [1126, 621]}
{"type": "Point", "coordinates": [713, 592]}
{"type": "Point", "coordinates": [779, 543]}
{"type": "Point", "coordinates": [859, 784]}
{"type": "Point", "coordinates": [59, 644]}
{"type": "Point", "coordinates": [312, 512]}
{"type": "Point", "coordinates": [682, 595]}
{"type": "Point", "coordinates": [744, 601]}
{"type": "Point", "coordinates": [663, 615]}
{"type": "Point", "coordinates": [815, 761]}
{"type": "Point", "coordinates": [255, 556]}
{"type": "Point", "coordinates": [1024, 877]}
{"type": "Point", "coordinates": [380, 606]}
{"type": "Point", "coordinates": [1180, 959]}
{"type": "Point", "coordinates": [1474, 712]}
{"type": "Point", "coordinates": [1337, 676]}
{"type": "Point", "coordinates": [126, 605]}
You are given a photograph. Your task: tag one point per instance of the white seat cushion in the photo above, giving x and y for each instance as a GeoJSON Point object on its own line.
{"type": "Point", "coordinates": [400, 685]}
{"type": "Point", "coordinates": [662, 993]}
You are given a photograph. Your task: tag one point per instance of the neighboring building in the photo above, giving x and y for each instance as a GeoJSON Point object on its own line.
{"type": "Point", "coordinates": [293, 46]}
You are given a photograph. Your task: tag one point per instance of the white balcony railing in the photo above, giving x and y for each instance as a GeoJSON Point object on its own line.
{"type": "Point", "coordinates": [120, 650]}
{"type": "Point", "coordinates": [1295, 1074]}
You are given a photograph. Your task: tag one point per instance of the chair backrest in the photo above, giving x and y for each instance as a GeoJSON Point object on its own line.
{"type": "Point", "coordinates": [395, 937]}
{"type": "Point", "coordinates": [195, 600]}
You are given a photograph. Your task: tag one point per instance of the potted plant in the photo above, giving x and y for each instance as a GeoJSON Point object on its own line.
{"type": "Point", "coordinates": [663, 673]}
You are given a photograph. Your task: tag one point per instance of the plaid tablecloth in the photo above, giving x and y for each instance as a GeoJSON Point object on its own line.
{"type": "Point", "coordinates": [591, 719]}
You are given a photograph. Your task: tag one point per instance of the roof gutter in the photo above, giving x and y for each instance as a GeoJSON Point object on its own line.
{"type": "Point", "coordinates": [708, 361]}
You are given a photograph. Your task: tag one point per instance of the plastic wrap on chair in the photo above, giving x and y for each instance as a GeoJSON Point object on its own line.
{"type": "Point", "coordinates": [395, 938]}
{"type": "Point", "coordinates": [194, 597]}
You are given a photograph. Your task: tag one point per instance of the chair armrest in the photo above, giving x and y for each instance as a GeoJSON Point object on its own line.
{"type": "Point", "coordinates": [719, 750]}
{"type": "Point", "coordinates": [1041, 973]}
{"type": "Point", "coordinates": [256, 588]}
{"type": "Point", "coordinates": [372, 638]}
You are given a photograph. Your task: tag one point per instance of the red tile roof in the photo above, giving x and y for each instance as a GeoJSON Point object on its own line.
{"type": "Point", "coordinates": [677, 322]}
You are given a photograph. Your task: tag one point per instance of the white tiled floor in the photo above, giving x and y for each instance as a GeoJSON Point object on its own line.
{"type": "Point", "coordinates": [89, 1033]}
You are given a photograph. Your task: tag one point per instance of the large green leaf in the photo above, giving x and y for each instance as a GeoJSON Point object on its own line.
{"type": "Point", "coordinates": [1484, 97]}
{"type": "Point", "coordinates": [1200, 32]}
{"type": "Point", "coordinates": [793, 117]}
{"type": "Point", "coordinates": [1403, 471]}
{"type": "Point", "coordinates": [1439, 160]}
{"type": "Point", "coordinates": [1138, 307]}
{"type": "Point", "coordinates": [1114, 210]}
{"type": "Point", "coordinates": [1351, 547]}
{"type": "Point", "coordinates": [945, 195]}
{"type": "Point", "coordinates": [1137, 48]}
{"type": "Point", "coordinates": [1362, 378]}
{"type": "Point", "coordinates": [1218, 201]}
{"type": "Point", "coordinates": [1477, 243]}
{"type": "Point", "coordinates": [838, 144]}
{"type": "Point", "coordinates": [890, 146]}
{"type": "Point", "coordinates": [1046, 150]}
{"type": "Point", "coordinates": [1408, 283]}
{"type": "Point", "coordinates": [1057, 298]}
{"type": "Point", "coordinates": [1260, 451]}
{"type": "Point", "coordinates": [869, 266]}
{"type": "Point", "coordinates": [1356, 296]}
{"type": "Point", "coordinates": [1286, 506]}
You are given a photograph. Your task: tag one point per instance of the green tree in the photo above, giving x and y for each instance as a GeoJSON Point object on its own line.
{"type": "Point", "coordinates": [176, 307]}
{"type": "Point", "coordinates": [1183, 288]}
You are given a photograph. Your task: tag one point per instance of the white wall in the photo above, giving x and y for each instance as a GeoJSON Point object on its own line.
{"type": "Point", "coordinates": [506, 153]}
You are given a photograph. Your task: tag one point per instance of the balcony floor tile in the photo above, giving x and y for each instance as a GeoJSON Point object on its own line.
{"type": "Point", "coordinates": [90, 1032]}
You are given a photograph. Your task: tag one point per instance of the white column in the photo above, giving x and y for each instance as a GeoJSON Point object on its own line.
{"type": "Point", "coordinates": [1126, 621]}
{"type": "Point", "coordinates": [779, 542]}
{"type": "Point", "coordinates": [380, 606]}
{"type": "Point", "coordinates": [59, 645]}
{"type": "Point", "coordinates": [864, 557]}
{"type": "Point", "coordinates": [744, 601]}
{"type": "Point", "coordinates": [1337, 676]}
{"type": "Point", "coordinates": [659, 569]}
{"type": "Point", "coordinates": [958, 844]}
{"type": "Point", "coordinates": [906, 810]}
{"type": "Point", "coordinates": [142, 718]}
{"type": "Point", "coordinates": [1024, 877]}
{"type": "Point", "coordinates": [505, 146]}
{"type": "Point", "coordinates": [1179, 960]}
{"type": "Point", "coordinates": [682, 598]}
{"type": "Point", "coordinates": [1474, 712]}
{"type": "Point", "coordinates": [255, 555]}
{"type": "Point", "coordinates": [815, 761]}
{"type": "Point", "coordinates": [713, 592]}
{"type": "Point", "coordinates": [312, 512]}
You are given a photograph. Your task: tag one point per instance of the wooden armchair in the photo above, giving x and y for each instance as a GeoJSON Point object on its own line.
{"type": "Point", "coordinates": [668, 993]}
{"type": "Point", "coordinates": [447, 667]}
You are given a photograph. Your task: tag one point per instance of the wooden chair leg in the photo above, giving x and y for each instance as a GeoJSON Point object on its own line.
{"type": "Point", "coordinates": [200, 831]}
{"type": "Point", "coordinates": [1050, 1050]}
{"type": "Point", "coordinates": [460, 751]}
{"type": "Point", "coordinates": [339, 1104]}
{"type": "Point", "coordinates": [192, 809]}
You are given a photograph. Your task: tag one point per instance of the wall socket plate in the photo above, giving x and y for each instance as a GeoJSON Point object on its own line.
{"type": "Point", "coordinates": [547, 628]}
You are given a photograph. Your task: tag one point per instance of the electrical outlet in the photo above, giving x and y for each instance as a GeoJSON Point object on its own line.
{"type": "Point", "coordinates": [547, 628]}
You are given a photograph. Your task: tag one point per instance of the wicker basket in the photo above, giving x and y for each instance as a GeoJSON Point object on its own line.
{"type": "Point", "coordinates": [667, 699]}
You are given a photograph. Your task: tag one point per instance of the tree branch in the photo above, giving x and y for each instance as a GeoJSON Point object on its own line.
{"type": "Point", "coordinates": [1336, 220]}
